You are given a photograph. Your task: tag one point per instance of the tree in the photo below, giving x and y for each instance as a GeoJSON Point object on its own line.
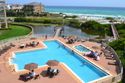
{"type": "Point", "coordinates": [28, 10]}
{"type": "Point", "coordinates": [111, 19]}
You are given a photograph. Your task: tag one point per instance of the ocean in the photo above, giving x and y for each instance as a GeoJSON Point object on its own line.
{"type": "Point", "coordinates": [106, 11]}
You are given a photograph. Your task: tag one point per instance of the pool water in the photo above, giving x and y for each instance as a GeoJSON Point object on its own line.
{"type": "Point", "coordinates": [57, 51]}
{"type": "Point", "coordinates": [82, 48]}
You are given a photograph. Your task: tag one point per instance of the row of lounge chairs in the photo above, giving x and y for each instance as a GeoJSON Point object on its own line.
{"type": "Point", "coordinates": [5, 48]}
{"type": "Point", "coordinates": [109, 55]}
{"type": "Point", "coordinates": [114, 62]}
{"type": "Point", "coordinates": [31, 44]}
{"type": "Point", "coordinates": [27, 77]}
{"type": "Point", "coordinates": [76, 39]}
{"type": "Point", "coordinates": [49, 72]}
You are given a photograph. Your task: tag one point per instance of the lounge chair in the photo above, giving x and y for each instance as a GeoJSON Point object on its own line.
{"type": "Point", "coordinates": [51, 72]}
{"type": "Point", "coordinates": [36, 77]}
{"type": "Point", "coordinates": [112, 63]}
{"type": "Point", "coordinates": [25, 77]}
{"type": "Point", "coordinates": [11, 44]}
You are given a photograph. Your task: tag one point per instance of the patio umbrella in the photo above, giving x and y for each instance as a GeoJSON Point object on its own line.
{"type": "Point", "coordinates": [52, 63]}
{"type": "Point", "coordinates": [31, 66]}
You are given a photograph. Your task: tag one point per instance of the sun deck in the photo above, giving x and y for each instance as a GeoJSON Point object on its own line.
{"type": "Point", "coordinates": [64, 76]}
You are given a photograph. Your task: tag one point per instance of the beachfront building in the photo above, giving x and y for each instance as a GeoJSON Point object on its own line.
{"type": "Point", "coordinates": [3, 17]}
{"type": "Point", "coordinates": [16, 7]}
{"type": "Point", "coordinates": [34, 7]}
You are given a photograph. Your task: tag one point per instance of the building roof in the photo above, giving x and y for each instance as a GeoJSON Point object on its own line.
{"type": "Point", "coordinates": [16, 5]}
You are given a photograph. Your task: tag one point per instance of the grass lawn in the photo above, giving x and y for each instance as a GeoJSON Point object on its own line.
{"type": "Point", "coordinates": [14, 31]}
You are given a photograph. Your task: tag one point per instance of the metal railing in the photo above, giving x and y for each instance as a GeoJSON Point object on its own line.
{"type": "Point", "coordinates": [118, 77]}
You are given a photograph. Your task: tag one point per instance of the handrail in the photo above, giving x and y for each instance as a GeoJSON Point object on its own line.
{"type": "Point", "coordinates": [116, 56]}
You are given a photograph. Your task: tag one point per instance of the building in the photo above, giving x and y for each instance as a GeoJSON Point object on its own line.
{"type": "Point", "coordinates": [35, 7]}
{"type": "Point", "coordinates": [3, 17]}
{"type": "Point", "coordinates": [16, 7]}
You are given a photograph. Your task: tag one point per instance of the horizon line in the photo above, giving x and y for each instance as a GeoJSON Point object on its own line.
{"type": "Point", "coordinates": [84, 6]}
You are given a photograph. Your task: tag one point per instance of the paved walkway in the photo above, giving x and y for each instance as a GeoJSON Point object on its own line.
{"type": "Point", "coordinates": [57, 32]}
{"type": "Point", "coordinates": [114, 31]}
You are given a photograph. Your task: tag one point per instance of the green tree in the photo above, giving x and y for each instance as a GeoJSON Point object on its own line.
{"type": "Point", "coordinates": [28, 10]}
{"type": "Point", "coordinates": [111, 19]}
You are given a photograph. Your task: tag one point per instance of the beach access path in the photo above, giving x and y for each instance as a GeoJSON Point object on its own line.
{"type": "Point", "coordinates": [114, 31]}
{"type": "Point", "coordinates": [57, 33]}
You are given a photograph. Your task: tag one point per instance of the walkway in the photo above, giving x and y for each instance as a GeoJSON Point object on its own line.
{"type": "Point", "coordinates": [57, 33]}
{"type": "Point", "coordinates": [114, 31]}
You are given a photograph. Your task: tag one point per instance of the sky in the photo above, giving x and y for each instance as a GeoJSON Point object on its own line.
{"type": "Point", "coordinates": [96, 3]}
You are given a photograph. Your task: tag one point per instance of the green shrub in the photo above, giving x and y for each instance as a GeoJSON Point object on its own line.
{"type": "Point", "coordinates": [40, 20]}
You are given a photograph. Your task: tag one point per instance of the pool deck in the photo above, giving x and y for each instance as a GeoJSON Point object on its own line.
{"type": "Point", "coordinates": [64, 76]}
{"type": "Point", "coordinates": [11, 77]}
{"type": "Point", "coordinates": [103, 62]}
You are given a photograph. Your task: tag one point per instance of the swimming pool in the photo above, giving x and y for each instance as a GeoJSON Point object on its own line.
{"type": "Point", "coordinates": [81, 48]}
{"type": "Point", "coordinates": [57, 51]}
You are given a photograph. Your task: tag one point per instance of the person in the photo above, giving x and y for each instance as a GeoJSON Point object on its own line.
{"type": "Point", "coordinates": [72, 52]}
{"type": "Point", "coordinates": [95, 54]}
{"type": "Point", "coordinates": [87, 53]}
{"type": "Point", "coordinates": [92, 53]}
{"type": "Point", "coordinates": [32, 74]}
{"type": "Point", "coordinates": [55, 71]}
{"type": "Point", "coordinates": [45, 36]}
{"type": "Point", "coordinates": [97, 58]}
{"type": "Point", "coordinates": [48, 71]}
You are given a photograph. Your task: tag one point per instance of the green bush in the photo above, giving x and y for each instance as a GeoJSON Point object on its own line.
{"type": "Point", "coordinates": [93, 27]}
{"type": "Point", "coordinates": [40, 20]}
{"type": "Point", "coordinates": [3, 25]}
{"type": "Point", "coordinates": [74, 23]}
{"type": "Point", "coordinates": [119, 47]}
{"type": "Point", "coordinates": [121, 29]}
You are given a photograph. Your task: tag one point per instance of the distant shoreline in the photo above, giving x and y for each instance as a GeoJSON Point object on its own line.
{"type": "Point", "coordinates": [86, 6]}
{"type": "Point", "coordinates": [90, 15]}
{"type": "Point", "coordinates": [102, 12]}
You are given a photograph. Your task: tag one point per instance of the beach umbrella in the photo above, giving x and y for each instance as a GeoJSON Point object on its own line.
{"type": "Point", "coordinates": [52, 63]}
{"type": "Point", "coordinates": [31, 66]}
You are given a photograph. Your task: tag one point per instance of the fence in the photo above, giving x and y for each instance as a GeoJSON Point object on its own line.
{"type": "Point", "coordinates": [118, 77]}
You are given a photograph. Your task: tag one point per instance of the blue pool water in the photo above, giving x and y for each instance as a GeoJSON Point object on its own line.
{"type": "Point", "coordinates": [57, 51]}
{"type": "Point", "coordinates": [82, 48]}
